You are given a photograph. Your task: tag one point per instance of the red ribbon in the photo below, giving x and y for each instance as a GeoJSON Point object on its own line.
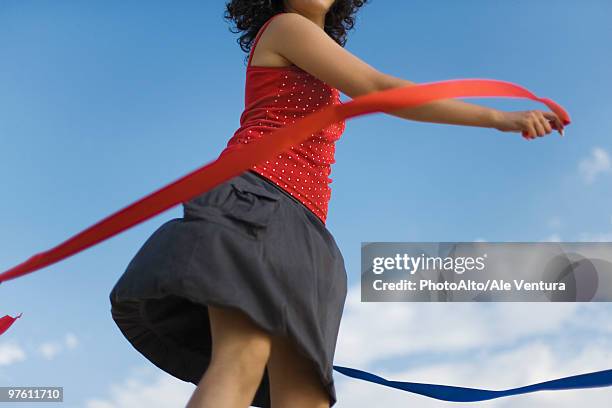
{"type": "Point", "coordinates": [233, 162]}
{"type": "Point", "coordinates": [6, 322]}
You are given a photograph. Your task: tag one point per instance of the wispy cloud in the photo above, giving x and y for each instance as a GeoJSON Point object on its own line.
{"type": "Point", "coordinates": [71, 341]}
{"type": "Point", "coordinates": [11, 353]}
{"type": "Point", "coordinates": [145, 387]}
{"type": "Point", "coordinates": [51, 349]}
{"type": "Point", "coordinates": [488, 345]}
{"type": "Point", "coordinates": [375, 331]}
{"type": "Point", "coordinates": [594, 165]}
{"type": "Point", "coordinates": [532, 362]}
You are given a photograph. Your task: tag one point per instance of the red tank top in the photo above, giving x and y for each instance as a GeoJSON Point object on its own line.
{"type": "Point", "coordinates": [274, 97]}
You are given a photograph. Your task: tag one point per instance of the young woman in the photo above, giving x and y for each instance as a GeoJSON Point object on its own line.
{"type": "Point", "coordinates": [243, 295]}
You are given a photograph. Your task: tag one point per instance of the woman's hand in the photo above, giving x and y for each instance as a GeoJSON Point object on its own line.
{"type": "Point", "coordinates": [532, 123]}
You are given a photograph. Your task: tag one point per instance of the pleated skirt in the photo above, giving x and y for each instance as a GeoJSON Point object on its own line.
{"type": "Point", "coordinates": [246, 244]}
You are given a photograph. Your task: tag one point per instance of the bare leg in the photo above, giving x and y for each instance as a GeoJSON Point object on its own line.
{"type": "Point", "coordinates": [240, 351]}
{"type": "Point", "coordinates": [294, 382]}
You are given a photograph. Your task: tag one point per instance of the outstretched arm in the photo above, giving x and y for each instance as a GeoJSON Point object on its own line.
{"type": "Point", "coordinates": [302, 42]}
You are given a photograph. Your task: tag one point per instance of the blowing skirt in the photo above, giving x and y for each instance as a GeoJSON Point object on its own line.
{"type": "Point", "coordinates": [246, 244]}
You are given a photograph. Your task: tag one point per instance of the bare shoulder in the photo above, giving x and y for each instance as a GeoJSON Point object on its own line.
{"type": "Point", "coordinates": [294, 39]}
{"type": "Point", "coordinates": [290, 29]}
{"type": "Point", "coordinates": [267, 52]}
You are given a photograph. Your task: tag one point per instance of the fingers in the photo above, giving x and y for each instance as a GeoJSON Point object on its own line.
{"type": "Point", "coordinates": [556, 121]}
{"type": "Point", "coordinates": [531, 131]}
{"type": "Point", "coordinates": [544, 125]}
{"type": "Point", "coordinates": [537, 125]}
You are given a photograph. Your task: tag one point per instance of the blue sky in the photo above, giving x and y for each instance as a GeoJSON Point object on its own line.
{"type": "Point", "coordinates": [103, 102]}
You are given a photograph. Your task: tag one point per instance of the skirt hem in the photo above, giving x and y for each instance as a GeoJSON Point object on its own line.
{"type": "Point", "coordinates": [260, 322]}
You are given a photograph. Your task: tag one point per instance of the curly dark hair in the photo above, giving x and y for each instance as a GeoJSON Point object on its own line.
{"type": "Point", "coordinates": [249, 15]}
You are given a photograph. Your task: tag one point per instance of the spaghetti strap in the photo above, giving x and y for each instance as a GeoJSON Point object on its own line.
{"type": "Point", "coordinates": [261, 30]}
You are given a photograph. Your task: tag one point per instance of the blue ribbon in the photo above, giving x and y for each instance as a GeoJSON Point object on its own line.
{"type": "Point", "coordinates": [461, 394]}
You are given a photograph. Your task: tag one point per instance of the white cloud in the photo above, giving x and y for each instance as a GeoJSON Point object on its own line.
{"type": "Point", "coordinates": [11, 353]}
{"type": "Point", "coordinates": [533, 362]}
{"type": "Point", "coordinates": [49, 350]}
{"type": "Point", "coordinates": [486, 345]}
{"type": "Point", "coordinates": [71, 340]}
{"type": "Point", "coordinates": [146, 388]}
{"type": "Point", "coordinates": [594, 165]}
{"type": "Point", "coordinates": [374, 331]}
{"type": "Point", "coordinates": [481, 345]}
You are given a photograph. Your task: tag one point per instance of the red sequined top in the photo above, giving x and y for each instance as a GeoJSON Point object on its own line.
{"type": "Point", "coordinates": [275, 96]}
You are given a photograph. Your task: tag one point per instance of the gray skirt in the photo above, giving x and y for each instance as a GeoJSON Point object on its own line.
{"type": "Point", "coordinates": [246, 244]}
